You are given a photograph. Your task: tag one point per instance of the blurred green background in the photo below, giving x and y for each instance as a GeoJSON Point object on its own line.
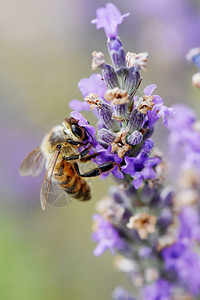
{"type": "Point", "coordinates": [45, 50]}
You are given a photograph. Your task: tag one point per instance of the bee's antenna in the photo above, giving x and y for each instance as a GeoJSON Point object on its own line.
{"type": "Point", "coordinates": [89, 134]}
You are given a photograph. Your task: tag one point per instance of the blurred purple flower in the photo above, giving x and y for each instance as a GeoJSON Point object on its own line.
{"type": "Point", "coordinates": [185, 136]}
{"type": "Point", "coordinates": [188, 270]}
{"type": "Point", "coordinates": [109, 18]}
{"type": "Point", "coordinates": [159, 290]}
{"type": "Point", "coordinates": [106, 236]}
{"type": "Point", "coordinates": [121, 294]}
{"type": "Point", "coordinates": [184, 263]}
{"type": "Point", "coordinates": [170, 29]}
{"type": "Point", "coordinates": [189, 224]}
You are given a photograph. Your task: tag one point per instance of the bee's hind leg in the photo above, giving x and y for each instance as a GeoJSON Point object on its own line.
{"type": "Point", "coordinates": [105, 167]}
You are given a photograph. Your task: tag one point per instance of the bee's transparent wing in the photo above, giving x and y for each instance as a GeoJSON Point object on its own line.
{"type": "Point", "coordinates": [33, 164]}
{"type": "Point", "coordinates": [50, 192]}
{"type": "Point", "coordinates": [58, 197]}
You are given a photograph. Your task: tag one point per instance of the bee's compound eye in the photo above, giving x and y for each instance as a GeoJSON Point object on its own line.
{"type": "Point", "coordinates": [59, 146]}
{"type": "Point", "coordinates": [77, 130]}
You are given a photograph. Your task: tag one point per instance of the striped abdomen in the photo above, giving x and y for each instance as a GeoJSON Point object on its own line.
{"type": "Point", "coordinates": [67, 178]}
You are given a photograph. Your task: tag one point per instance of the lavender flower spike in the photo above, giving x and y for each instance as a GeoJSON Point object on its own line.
{"type": "Point", "coordinates": [109, 18]}
{"type": "Point", "coordinates": [154, 230]}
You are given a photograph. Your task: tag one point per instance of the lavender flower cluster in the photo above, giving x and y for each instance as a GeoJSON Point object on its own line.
{"type": "Point", "coordinates": [153, 230]}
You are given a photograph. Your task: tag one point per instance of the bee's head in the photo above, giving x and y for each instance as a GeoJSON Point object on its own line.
{"type": "Point", "coordinates": [74, 131]}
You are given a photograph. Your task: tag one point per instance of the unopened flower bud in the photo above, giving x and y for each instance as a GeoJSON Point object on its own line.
{"type": "Point", "coordinates": [106, 135]}
{"type": "Point", "coordinates": [110, 77]}
{"type": "Point", "coordinates": [136, 120]}
{"type": "Point", "coordinates": [148, 133]}
{"type": "Point", "coordinates": [165, 219]}
{"type": "Point", "coordinates": [135, 138]}
{"type": "Point", "coordinates": [117, 55]}
{"type": "Point", "coordinates": [106, 115]}
{"type": "Point", "coordinates": [132, 80]}
{"type": "Point", "coordinates": [120, 111]}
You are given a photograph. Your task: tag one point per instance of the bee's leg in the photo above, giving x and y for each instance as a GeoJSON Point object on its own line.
{"type": "Point", "coordinates": [105, 167]}
{"type": "Point", "coordinates": [73, 142]}
{"type": "Point", "coordinates": [89, 157]}
{"type": "Point", "coordinates": [82, 156]}
{"type": "Point", "coordinates": [79, 156]}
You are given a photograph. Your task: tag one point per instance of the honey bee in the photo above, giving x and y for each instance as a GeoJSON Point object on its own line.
{"type": "Point", "coordinates": [58, 153]}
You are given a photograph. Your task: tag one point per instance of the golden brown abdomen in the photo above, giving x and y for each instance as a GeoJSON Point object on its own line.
{"type": "Point", "coordinates": [74, 185]}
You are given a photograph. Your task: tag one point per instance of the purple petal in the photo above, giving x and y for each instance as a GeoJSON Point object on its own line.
{"type": "Point", "coordinates": [151, 162]}
{"type": "Point", "coordinates": [99, 250]}
{"type": "Point", "coordinates": [165, 112]}
{"type": "Point", "coordinates": [79, 105]}
{"type": "Point", "coordinates": [157, 99]}
{"type": "Point", "coordinates": [93, 84]}
{"type": "Point", "coordinates": [137, 181]}
{"type": "Point", "coordinates": [109, 18]}
{"type": "Point", "coordinates": [159, 290]}
{"type": "Point", "coordinates": [116, 172]}
{"type": "Point", "coordinates": [129, 167]}
{"type": "Point", "coordinates": [148, 173]}
{"type": "Point", "coordinates": [149, 89]}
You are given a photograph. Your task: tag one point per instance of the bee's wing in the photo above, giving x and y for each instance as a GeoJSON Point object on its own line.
{"type": "Point", "coordinates": [46, 185]}
{"type": "Point", "coordinates": [33, 164]}
{"type": "Point", "coordinates": [50, 192]}
{"type": "Point", "coordinates": [57, 197]}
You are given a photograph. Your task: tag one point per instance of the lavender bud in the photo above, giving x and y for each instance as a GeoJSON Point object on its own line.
{"type": "Point", "coordinates": [165, 219]}
{"type": "Point", "coordinates": [110, 77]}
{"type": "Point", "coordinates": [147, 194]}
{"type": "Point", "coordinates": [116, 195]}
{"type": "Point", "coordinates": [132, 80]}
{"type": "Point", "coordinates": [136, 120]}
{"type": "Point", "coordinates": [106, 136]}
{"type": "Point", "coordinates": [121, 110]}
{"type": "Point", "coordinates": [135, 138]}
{"type": "Point", "coordinates": [167, 196]}
{"type": "Point", "coordinates": [117, 55]}
{"type": "Point", "coordinates": [148, 133]}
{"type": "Point", "coordinates": [106, 115]}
